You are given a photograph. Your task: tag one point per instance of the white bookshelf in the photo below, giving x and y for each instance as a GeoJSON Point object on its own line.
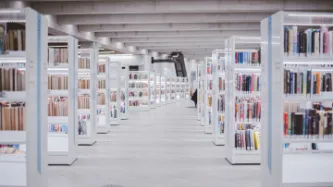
{"type": "Point", "coordinates": [124, 93]}
{"type": "Point", "coordinates": [199, 91]}
{"type": "Point", "coordinates": [103, 96]}
{"type": "Point", "coordinates": [219, 118]}
{"type": "Point", "coordinates": [62, 121]}
{"type": "Point", "coordinates": [87, 75]}
{"type": "Point", "coordinates": [152, 90]}
{"type": "Point", "coordinates": [238, 126]}
{"type": "Point", "coordinates": [294, 159]}
{"type": "Point", "coordinates": [178, 89]}
{"type": "Point", "coordinates": [208, 95]}
{"type": "Point", "coordinates": [139, 91]}
{"type": "Point", "coordinates": [164, 91]}
{"type": "Point", "coordinates": [29, 162]}
{"type": "Point", "coordinates": [187, 88]}
{"type": "Point", "coordinates": [158, 90]}
{"type": "Point", "coordinates": [114, 74]}
{"type": "Point", "coordinates": [173, 95]}
{"type": "Point", "coordinates": [168, 90]}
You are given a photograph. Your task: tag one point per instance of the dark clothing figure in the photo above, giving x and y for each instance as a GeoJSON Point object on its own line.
{"type": "Point", "coordinates": [195, 97]}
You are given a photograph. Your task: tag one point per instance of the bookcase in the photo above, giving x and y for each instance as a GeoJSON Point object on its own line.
{"type": "Point", "coordinates": [199, 92]}
{"type": "Point", "coordinates": [218, 103]}
{"type": "Point", "coordinates": [114, 82]}
{"type": "Point", "coordinates": [164, 92]}
{"type": "Point", "coordinates": [158, 90]}
{"type": "Point", "coordinates": [173, 82]}
{"type": "Point", "coordinates": [152, 90]}
{"type": "Point", "coordinates": [243, 107]}
{"type": "Point", "coordinates": [208, 95]}
{"type": "Point", "coordinates": [87, 92]}
{"type": "Point", "coordinates": [103, 95]}
{"type": "Point", "coordinates": [23, 60]}
{"type": "Point", "coordinates": [168, 90]}
{"type": "Point", "coordinates": [178, 89]}
{"type": "Point", "coordinates": [124, 93]}
{"type": "Point", "coordinates": [187, 88]}
{"type": "Point", "coordinates": [62, 99]}
{"type": "Point", "coordinates": [139, 90]}
{"type": "Point", "coordinates": [297, 66]}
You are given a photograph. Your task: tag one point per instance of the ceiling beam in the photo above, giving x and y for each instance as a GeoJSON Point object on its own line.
{"type": "Point", "coordinates": [169, 27]}
{"type": "Point", "coordinates": [154, 40]}
{"type": "Point", "coordinates": [162, 44]}
{"type": "Point", "coordinates": [162, 18]}
{"type": "Point", "coordinates": [177, 48]}
{"type": "Point", "coordinates": [177, 6]}
{"type": "Point", "coordinates": [179, 34]}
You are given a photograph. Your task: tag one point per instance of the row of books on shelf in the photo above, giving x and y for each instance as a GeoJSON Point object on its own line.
{"type": "Point", "coordinates": [12, 116]}
{"type": "Point", "coordinates": [84, 84]}
{"type": "Point", "coordinates": [12, 149]}
{"type": "Point", "coordinates": [12, 79]}
{"type": "Point", "coordinates": [84, 102]}
{"type": "Point", "coordinates": [307, 82]}
{"type": "Point", "coordinates": [138, 85]}
{"type": "Point", "coordinates": [83, 121]}
{"type": "Point", "coordinates": [221, 84]}
{"type": "Point", "coordinates": [137, 94]}
{"type": "Point", "coordinates": [113, 112]}
{"type": "Point", "coordinates": [113, 96]}
{"type": "Point", "coordinates": [58, 128]}
{"type": "Point", "coordinates": [308, 122]}
{"type": "Point", "coordinates": [209, 100]}
{"type": "Point", "coordinates": [220, 103]}
{"type": "Point", "coordinates": [220, 64]}
{"type": "Point", "coordinates": [84, 63]}
{"type": "Point", "coordinates": [137, 102]}
{"type": "Point", "coordinates": [248, 140]}
{"type": "Point", "coordinates": [58, 56]}
{"type": "Point", "coordinates": [247, 83]}
{"type": "Point", "coordinates": [210, 85]}
{"type": "Point", "coordinates": [221, 123]}
{"type": "Point", "coordinates": [247, 109]}
{"type": "Point", "coordinates": [101, 68]}
{"type": "Point", "coordinates": [101, 99]}
{"type": "Point", "coordinates": [138, 76]}
{"type": "Point", "coordinates": [11, 40]}
{"type": "Point", "coordinates": [209, 68]}
{"type": "Point", "coordinates": [248, 58]}
{"type": "Point", "coordinates": [101, 84]}
{"type": "Point", "coordinates": [57, 106]}
{"type": "Point", "coordinates": [57, 82]}
{"type": "Point", "coordinates": [307, 42]}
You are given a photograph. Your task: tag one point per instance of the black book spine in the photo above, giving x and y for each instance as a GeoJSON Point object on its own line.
{"type": "Point", "coordinates": [308, 82]}
{"type": "Point", "coordinates": [286, 34]}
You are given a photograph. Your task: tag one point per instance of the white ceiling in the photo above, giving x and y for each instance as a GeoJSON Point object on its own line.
{"type": "Point", "coordinates": [195, 27]}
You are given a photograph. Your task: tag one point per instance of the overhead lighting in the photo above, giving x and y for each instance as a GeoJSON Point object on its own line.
{"type": "Point", "coordinates": [310, 15]}
{"type": "Point", "coordinates": [10, 11]}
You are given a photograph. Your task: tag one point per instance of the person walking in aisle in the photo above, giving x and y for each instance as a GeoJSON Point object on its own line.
{"type": "Point", "coordinates": [194, 97]}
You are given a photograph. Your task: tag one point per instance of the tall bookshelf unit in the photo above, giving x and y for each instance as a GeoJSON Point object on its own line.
{"type": "Point", "coordinates": [173, 95]}
{"type": "Point", "coordinates": [158, 90]}
{"type": "Point", "coordinates": [201, 94]}
{"type": "Point", "coordinates": [27, 141]}
{"type": "Point", "coordinates": [219, 97]}
{"type": "Point", "coordinates": [152, 90]}
{"type": "Point", "coordinates": [243, 100]}
{"type": "Point", "coordinates": [139, 90]}
{"type": "Point", "coordinates": [62, 101]}
{"type": "Point", "coordinates": [163, 90]}
{"type": "Point", "coordinates": [103, 95]}
{"type": "Point", "coordinates": [87, 92]}
{"type": "Point", "coordinates": [114, 84]}
{"type": "Point", "coordinates": [178, 91]}
{"type": "Point", "coordinates": [187, 88]}
{"type": "Point", "coordinates": [124, 93]}
{"type": "Point", "coordinates": [297, 144]}
{"type": "Point", "coordinates": [208, 95]}
{"type": "Point", "coordinates": [199, 91]}
{"type": "Point", "coordinates": [168, 90]}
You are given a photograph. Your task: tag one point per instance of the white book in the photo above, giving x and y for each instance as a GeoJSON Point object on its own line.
{"type": "Point", "coordinates": [317, 43]}
{"type": "Point", "coordinates": [330, 42]}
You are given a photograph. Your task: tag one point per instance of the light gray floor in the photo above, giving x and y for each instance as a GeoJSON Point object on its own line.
{"type": "Point", "coordinates": [165, 147]}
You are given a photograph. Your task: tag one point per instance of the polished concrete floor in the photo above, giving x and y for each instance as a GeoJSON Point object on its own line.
{"type": "Point", "coordinates": [165, 147]}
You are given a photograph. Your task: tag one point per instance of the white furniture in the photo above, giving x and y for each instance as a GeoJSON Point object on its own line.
{"type": "Point", "coordinates": [301, 154]}
{"type": "Point", "coordinates": [243, 100]}
{"type": "Point", "coordinates": [114, 82]}
{"type": "Point", "coordinates": [87, 92]}
{"type": "Point", "coordinates": [103, 96]}
{"type": "Point", "coordinates": [30, 165]}
{"type": "Point", "coordinates": [63, 94]}
{"type": "Point", "coordinates": [208, 95]}
{"type": "Point", "coordinates": [139, 91]}
{"type": "Point", "coordinates": [164, 90]}
{"type": "Point", "coordinates": [124, 93]}
{"type": "Point", "coordinates": [152, 90]}
{"type": "Point", "coordinates": [218, 97]}
{"type": "Point", "coordinates": [158, 90]}
{"type": "Point", "coordinates": [200, 89]}
{"type": "Point", "coordinates": [168, 90]}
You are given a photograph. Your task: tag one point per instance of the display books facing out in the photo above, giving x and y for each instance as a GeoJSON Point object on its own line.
{"type": "Point", "coordinates": [58, 128]}
{"type": "Point", "coordinates": [58, 106]}
{"type": "Point", "coordinates": [83, 120]}
{"type": "Point", "coordinates": [12, 37]}
{"type": "Point", "coordinates": [12, 117]}
{"type": "Point", "coordinates": [84, 101]}
{"type": "Point", "coordinates": [307, 41]}
{"type": "Point", "coordinates": [113, 112]}
{"type": "Point", "coordinates": [247, 83]}
{"type": "Point", "coordinates": [138, 75]}
{"type": "Point", "coordinates": [248, 58]}
{"type": "Point", "coordinates": [247, 138]}
{"type": "Point", "coordinates": [314, 122]}
{"type": "Point", "coordinates": [220, 122]}
{"type": "Point", "coordinates": [12, 149]}
{"type": "Point", "coordinates": [101, 84]}
{"type": "Point", "coordinates": [84, 84]}
{"type": "Point", "coordinates": [101, 99]}
{"type": "Point", "coordinates": [12, 79]}
{"type": "Point", "coordinates": [58, 56]}
{"type": "Point", "coordinates": [307, 82]}
{"type": "Point", "coordinates": [247, 109]}
{"type": "Point", "coordinates": [220, 103]}
{"type": "Point", "coordinates": [57, 82]}
{"type": "Point", "coordinates": [84, 63]}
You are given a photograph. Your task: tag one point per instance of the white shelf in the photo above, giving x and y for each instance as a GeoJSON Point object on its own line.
{"type": "Point", "coordinates": [55, 93]}
{"type": "Point", "coordinates": [13, 96]}
{"type": "Point", "coordinates": [12, 137]}
{"type": "Point", "coordinates": [308, 60]}
{"type": "Point", "coordinates": [58, 119]}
